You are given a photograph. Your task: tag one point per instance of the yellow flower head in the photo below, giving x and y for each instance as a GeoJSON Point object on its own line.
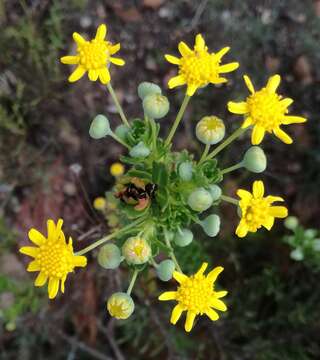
{"type": "Point", "coordinates": [93, 56]}
{"type": "Point", "coordinates": [257, 211]}
{"type": "Point", "coordinates": [120, 305]}
{"type": "Point", "coordinates": [266, 111]}
{"type": "Point", "coordinates": [198, 67]}
{"type": "Point", "coordinates": [196, 295]}
{"type": "Point", "coordinates": [99, 203]}
{"type": "Point", "coordinates": [117, 169]}
{"type": "Point", "coordinates": [52, 257]}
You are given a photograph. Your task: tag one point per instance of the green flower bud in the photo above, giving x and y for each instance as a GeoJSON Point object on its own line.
{"type": "Point", "coordinates": [148, 88]}
{"type": "Point", "coordinates": [200, 200]}
{"type": "Point", "coordinates": [310, 233]}
{"type": "Point", "coordinates": [211, 225]}
{"type": "Point", "coordinates": [139, 150]}
{"type": "Point", "coordinates": [109, 256]}
{"type": "Point", "coordinates": [185, 171]}
{"type": "Point", "coordinates": [165, 270]}
{"type": "Point", "coordinates": [255, 160]}
{"type": "Point", "coordinates": [120, 305]}
{"type": "Point", "coordinates": [210, 130]}
{"type": "Point", "coordinates": [156, 106]}
{"type": "Point", "coordinates": [136, 250]}
{"type": "Point", "coordinates": [215, 192]}
{"type": "Point", "coordinates": [291, 222]}
{"type": "Point", "coordinates": [297, 254]}
{"type": "Point", "coordinates": [100, 127]}
{"type": "Point", "coordinates": [183, 237]}
{"type": "Point", "coordinates": [316, 245]}
{"type": "Point", "coordinates": [121, 131]}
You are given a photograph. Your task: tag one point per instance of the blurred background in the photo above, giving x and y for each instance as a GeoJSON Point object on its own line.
{"type": "Point", "coordinates": [49, 167]}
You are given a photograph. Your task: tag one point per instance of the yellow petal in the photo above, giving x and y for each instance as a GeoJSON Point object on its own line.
{"type": "Point", "coordinates": [242, 229]}
{"type": "Point", "coordinates": [29, 250]}
{"type": "Point", "coordinates": [293, 120]}
{"type": "Point", "coordinates": [104, 76]}
{"type": "Point", "coordinates": [117, 61]}
{"type": "Point", "coordinates": [77, 74]}
{"type": "Point", "coordinates": [273, 83]}
{"type": "Point", "coordinates": [33, 266]}
{"type": "Point", "coordinates": [283, 136]}
{"type": "Point", "coordinates": [269, 223]}
{"type": "Point", "coordinates": [36, 237]}
{"type": "Point", "coordinates": [238, 107]}
{"type": "Point", "coordinates": [257, 135]}
{"type": "Point", "coordinates": [191, 89]}
{"type": "Point", "coordinates": [101, 32]}
{"type": "Point", "coordinates": [184, 49]}
{"type": "Point", "coordinates": [63, 280]}
{"type": "Point", "coordinates": [244, 194]}
{"type": "Point", "coordinates": [247, 123]}
{"type": "Point", "coordinates": [213, 315]}
{"type": "Point", "coordinates": [176, 313]}
{"type": "Point", "coordinates": [179, 277]}
{"type": "Point", "coordinates": [80, 261]}
{"type": "Point", "coordinates": [78, 38]}
{"type": "Point", "coordinates": [213, 274]}
{"type": "Point", "coordinates": [248, 83]}
{"type": "Point", "coordinates": [228, 67]}
{"type": "Point", "coordinates": [286, 102]}
{"type": "Point", "coordinates": [278, 211]}
{"type": "Point", "coordinates": [221, 53]}
{"type": "Point", "coordinates": [220, 294]}
{"type": "Point", "coordinates": [258, 189]}
{"type": "Point", "coordinates": [176, 81]}
{"type": "Point", "coordinates": [53, 287]}
{"type": "Point", "coordinates": [41, 279]}
{"type": "Point", "coordinates": [168, 295]}
{"type": "Point", "coordinates": [70, 60]}
{"type": "Point", "coordinates": [202, 269]}
{"type": "Point", "coordinates": [200, 43]}
{"type": "Point", "coordinates": [218, 304]}
{"type": "Point", "coordinates": [172, 59]}
{"type": "Point", "coordinates": [114, 48]}
{"type": "Point", "coordinates": [93, 74]}
{"type": "Point", "coordinates": [272, 198]}
{"type": "Point", "coordinates": [189, 321]}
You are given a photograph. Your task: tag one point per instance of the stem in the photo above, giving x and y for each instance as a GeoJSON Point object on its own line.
{"type": "Point", "coordinates": [116, 102]}
{"type": "Point", "coordinates": [107, 238]}
{"type": "Point", "coordinates": [116, 138]}
{"type": "Point", "coordinates": [133, 280]}
{"type": "Point", "coordinates": [232, 168]}
{"type": "Point", "coordinates": [178, 119]}
{"type": "Point", "coordinates": [205, 153]}
{"type": "Point", "coordinates": [228, 141]}
{"type": "Point", "coordinates": [152, 261]}
{"type": "Point", "coordinates": [230, 199]}
{"type": "Point", "coordinates": [171, 253]}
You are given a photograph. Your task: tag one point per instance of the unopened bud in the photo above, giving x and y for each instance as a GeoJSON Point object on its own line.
{"type": "Point", "coordinates": [211, 225]}
{"type": "Point", "coordinates": [140, 150]}
{"type": "Point", "coordinates": [165, 270]}
{"type": "Point", "coordinates": [109, 256]}
{"type": "Point", "coordinates": [156, 106]}
{"type": "Point", "coordinates": [200, 200]}
{"type": "Point", "coordinates": [183, 237]}
{"type": "Point", "coordinates": [255, 159]}
{"type": "Point", "coordinates": [148, 88]}
{"type": "Point", "coordinates": [136, 250]}
{"type": "Point", "coordinates": [100, 127]}
{"type": "Point", "coordinates": [210, 130]}
{"type": "Point", "coordinates": [120, 305]}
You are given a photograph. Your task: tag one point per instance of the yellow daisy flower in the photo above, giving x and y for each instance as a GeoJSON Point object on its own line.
{"type": "Point", "coordinates": [198, 67]}
{"type": "Point", "coordinates": [117, 169]}
{"type": "Point", "coordinates": [266, 111]}
{"type": "Point", "coordinates": [53, 257]}
{"type": "Point", "coordinates": [257, 211]}
{"type": "Point", "coordinates": [99, 203]}
{"type": "Point", "coordinates": [93, 56]}
{"type": "Point", "coordinates": [196, 295]}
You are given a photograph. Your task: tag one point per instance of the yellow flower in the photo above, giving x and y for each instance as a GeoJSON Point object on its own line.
{"type": "Point", "coordinates": [120, 305]}
{"type": "Point", "coordinates": [117, 169]}
{"type": "Point", "coordinates": [198, 67]}
{"type": "Point", "coordinates": [93, 56]}
{"type": "Point", "coordinates": [257, 211]}
{"type": "Point", "coordinates": [99, 203]}
{"type": "Point", "coordinates": [53, 257]}
{"type": "Point", "coordinates": [196, 295]}
{"type": "Point", "coordinates": [266, 111]}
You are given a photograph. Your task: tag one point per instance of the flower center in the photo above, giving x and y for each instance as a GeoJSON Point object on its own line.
{"type": "Point", "coordinates": [94, 54]}
{"type": "Point", "coordinates": [55, 258]}
{"type": "Point", "coordinates": [256, 213]}
{"type": "Point", "coordinates": [266, 109]}
{"type": "Point", "coordinates": [212, 123]}
{"type": "Point", "coordinates": [195, 293]}
{"type": "Point", "coordinates": [199, 69]}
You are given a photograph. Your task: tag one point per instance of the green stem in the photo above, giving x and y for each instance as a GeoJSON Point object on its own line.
{"type": "Point", "coordinates": [178, 119]}
{"type": "Point", "coordinates": [152, 261]}
{"type": "Point", "coordinates": [171, 253]}
{"type": "Point", "coordinates": [228, 141]}
{"type": "Point", "coordinates": [232, 168]}
{"type": "Point", "coordinates": [133, 280]}
{"type": "Point", "coordinates": [116, 102]}
{"type": "Point", "coordinates": [205, 153]}
{"type": "Point", "coordinates": [230, 199]}
{"type": "Point", "coordinates": [107, 238]}
{"type": "Point", "coordinates": [116, 138]}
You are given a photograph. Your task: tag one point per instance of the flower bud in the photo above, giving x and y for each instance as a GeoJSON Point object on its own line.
{"type": "Point", "coordinates": [148, 88]}
{"type": "Point", "coordinates": [100, 127]}
{"type": "Point", "coordinates": [183, 237]}
{"type": "Point", "coordinates": [310, 233]}
{"type": "Point", "coordinates": [156, 106]}
{"type": "Point", "coordinates": [215, 192]}
{"type": "Point", "coordinates": [136, 250]}
{"type": "Point", "coordinates": [139, 150]}
{"type": "Point", "coordinates": [120, 305]}
{"type": "Point", "coordinates": [117, 169]}
{"type": "Point", "coordinates": [210, 130]}
{"type": "Point", "coordinates": [255, 160]}
{"type": "Point", "coordinates": [316, 245]}
{"type": "Point", "coordinates": [109, 256]}
{"type": "Point", "coordinates": [121, 131]}
{"type": "Point", "coordinates": [165, 270]}
{"type": "Point", "coordinates": [211, 225]}
{"type": "Point", "coordinates": [99, 203]}
{"type": "Point", "coordinates": [200, 200]}
{"type": "Point", "coordinates": [185, 171]}
{"type": "Point", "coordinates": [297, 254]}
{"type": "Point", "coordinates": [291, 222]}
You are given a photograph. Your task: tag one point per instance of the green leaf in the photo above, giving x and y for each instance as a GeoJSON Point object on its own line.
{"type": "Point", "coordinates": [159, 174]}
